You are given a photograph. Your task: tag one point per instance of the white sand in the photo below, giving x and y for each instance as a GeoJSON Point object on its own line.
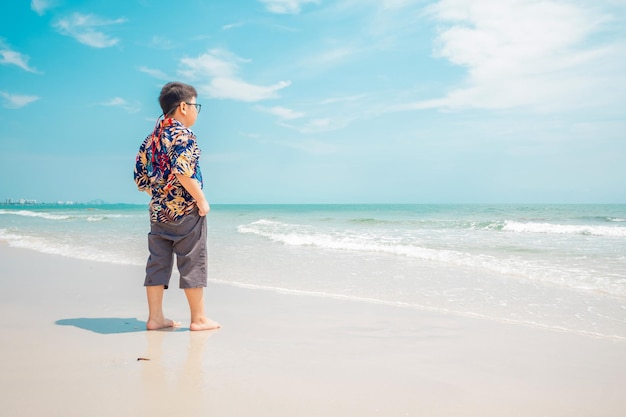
{"type": "Point", "coordinates": [73, 331]}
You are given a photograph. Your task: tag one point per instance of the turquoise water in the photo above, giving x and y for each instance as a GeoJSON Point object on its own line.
{"type": "Point", "coordinates": [559, 267]}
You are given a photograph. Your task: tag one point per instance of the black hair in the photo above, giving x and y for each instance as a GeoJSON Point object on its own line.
{"type": "Point", "coordinates": [174, 93]}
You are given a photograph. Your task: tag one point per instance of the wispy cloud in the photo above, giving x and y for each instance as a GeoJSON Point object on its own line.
{"type": "Point", "coordinates": [310, 146]}
{"type": "Point", "coordinates": [161, 42]}
{"type": "Point", "coordinates": [535, 54]}
{"type": "Point", "coordinates": [345, 99]}
{"type": "Point", "coordinates": [281, 112]}
{"type": "Point", "coordinates": [156, 73]}
{"type": "Point", "coordinates": [86, 29]}
{"type": "Point", "coordinates": [332, 113]}
{"type": "Point", "coordinates": [40, 6]}
{"type": "Point", "coordinates": [398, 4]}
{"type": "Point", "coordinates": [286, 6]}
{"type": "Point", "coordinates": [233, 25]}
{"type": "Point", "coordinates": [318, 124]}
{"type": "Point", "coordinates": [133, 107]}
{"type": "Point", "coordinates": [329, 57]}
{"type": "Point", "coordinates": [221, 68]}
{"type": "Point", "coordinates": [16, 101]}
{"type": "Point", "coordinates": [10, 57]}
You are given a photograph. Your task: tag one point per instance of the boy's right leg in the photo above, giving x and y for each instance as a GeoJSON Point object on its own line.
{"type": "Point", "coordinates": [156, 318]}
{"type": "Point", "coordinates": [199, 321]}
{"type": "Point", "coordinates": [192, 258]}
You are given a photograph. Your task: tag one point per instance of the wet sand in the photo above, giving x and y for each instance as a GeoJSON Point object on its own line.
{"type": "Point", "coordinates": [74, 330]}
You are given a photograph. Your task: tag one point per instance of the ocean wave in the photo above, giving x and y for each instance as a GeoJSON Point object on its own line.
{"type": "Point", "coordinates": [301, 235]}
{"type": "Point", "coordinates": [374, 221]}
{"type": "Point", "coordinates": [417, 306]}
{"type": "Point", "coordinates": [43, 245]}
{"type": "Point", "coordinates": [437, 224]}
{"type": "Point", "coordinates": [368, 220]}
{"type": "Point", "coordinates": [96, 218]}
{"type": "Point", "coordinates": [89, 216]}
{"type": "Point", "coordinates": [512, 266]}
{"type": "Point", "coordinates": [564, 229]}
{"type": "Point", "coordinates": [29, 213]}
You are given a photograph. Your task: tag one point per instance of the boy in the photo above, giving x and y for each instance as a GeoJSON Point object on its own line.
{"type": "Point", "coordinates": [167, 168]}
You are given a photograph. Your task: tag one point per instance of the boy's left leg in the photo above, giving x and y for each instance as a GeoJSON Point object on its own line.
{"type": "Point", "coordinates": [158, 272]}
{"type": "Point", "coordinates": [199, 321]}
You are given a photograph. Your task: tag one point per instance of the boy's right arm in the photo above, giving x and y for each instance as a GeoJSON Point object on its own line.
{"type": "Point", "coordinates": [140, 173]}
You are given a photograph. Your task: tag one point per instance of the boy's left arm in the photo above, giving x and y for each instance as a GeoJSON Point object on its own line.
{"type": "Point", "coordinates": [193, 187]}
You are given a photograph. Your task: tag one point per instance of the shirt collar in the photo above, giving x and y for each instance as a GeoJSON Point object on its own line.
{"type": "Point", "coordinates": [170, 121]}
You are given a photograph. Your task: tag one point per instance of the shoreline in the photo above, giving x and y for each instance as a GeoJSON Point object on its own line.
{"type": "Point", "coordinates": [75, 333]}
{"type": "Point", "coordinates": [418, 308]}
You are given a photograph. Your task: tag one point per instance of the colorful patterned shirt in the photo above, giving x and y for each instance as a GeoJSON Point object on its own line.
{"type": "Point", "coordinates": [169, 150]}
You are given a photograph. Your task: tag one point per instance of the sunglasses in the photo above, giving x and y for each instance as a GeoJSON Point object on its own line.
{"type": "Point", "coordinates": [196, 105]}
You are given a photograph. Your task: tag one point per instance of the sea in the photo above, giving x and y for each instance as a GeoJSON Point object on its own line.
{"type": "Point", "coordinates": [556, 267]}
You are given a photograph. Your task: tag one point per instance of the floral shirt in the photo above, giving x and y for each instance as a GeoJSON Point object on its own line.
{"type": "Point", "coordinates": [169, 150]}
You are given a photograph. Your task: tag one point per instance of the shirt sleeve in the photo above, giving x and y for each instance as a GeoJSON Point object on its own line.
{"type": "Point", "coordinates": [141, 172]}
{"type": "Point", "coordinates": [184, 155]}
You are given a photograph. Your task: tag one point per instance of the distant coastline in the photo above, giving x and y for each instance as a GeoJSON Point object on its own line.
{"type": "Point", "coordinates": [26, 202]}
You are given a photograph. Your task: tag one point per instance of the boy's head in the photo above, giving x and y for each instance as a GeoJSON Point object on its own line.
{"type": "Point", "coordinates": [175, 93]}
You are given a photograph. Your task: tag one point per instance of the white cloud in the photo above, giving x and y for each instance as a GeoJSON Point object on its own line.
{"type": "Point", "coordinates": [156, 73]}
{"type": "Point", "coordinates": [214, 63]}
{"type": "Point", "coordinates": [398, 4]}
{"type": "Point", "coordinates": [319, 124]}
{"type": "Point", "coordinates": [11, 57]}
{"type": "Point", "coordinates": [310, 146]}
{"type": "Point", "coordinates": [133, 107]}
{"type": "Point", "coordinates": [116, 101]}
{"type": "Point", "coordinates": [236, 89]}
{"type": "Point", "coordinates": [344, 99]}
{"type": "Point", "coordinates": [16, 101]}
{"type": "Point", "coordinates": [83, 28]}
{"type": "Point", "coordinates": [233, 25]}
{"type": "Point", "coordinates": [329, 58]}
{"type": "Point", "coordinates": [161, 42]}
{"type": "Point", "coordinates": [521, 53]}
{"type": "Point", "coordinates": [40, 6]}
{"type": "Point", "coordinates": [286, 6]}
{"type": "Point", "coordinates": [217, 69]}
{"type": "Point", "coordinates": [282, 112]}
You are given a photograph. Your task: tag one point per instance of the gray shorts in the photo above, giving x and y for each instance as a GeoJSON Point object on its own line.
{"type": "Point", "coordinates": [185, 238]}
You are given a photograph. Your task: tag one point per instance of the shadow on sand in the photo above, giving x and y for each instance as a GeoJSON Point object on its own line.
{"type": "Point", "coordinates": [110, 325]}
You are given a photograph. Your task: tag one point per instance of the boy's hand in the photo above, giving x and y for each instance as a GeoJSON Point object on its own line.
{"type": "Point", "coordinates": [203, 207]}
{"type": "Point", "coordinates": [193, 187]}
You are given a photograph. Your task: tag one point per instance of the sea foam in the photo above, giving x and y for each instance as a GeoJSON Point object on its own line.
{"type": "Point", "coordinates": [560, 229]}
{"type": "Point", "coordinates": [384, 244]}
{"type": "Point", "coordinates": [28, 213]}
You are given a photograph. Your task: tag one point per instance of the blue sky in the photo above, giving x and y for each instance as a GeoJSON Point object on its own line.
{"type": "Point", "coordinates": [320, 101]}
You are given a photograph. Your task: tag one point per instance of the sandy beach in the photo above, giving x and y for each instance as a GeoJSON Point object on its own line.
{"type": "Point", "coordinates": [73, 332]}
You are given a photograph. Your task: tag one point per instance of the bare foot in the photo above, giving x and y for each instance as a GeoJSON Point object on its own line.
{"type": "Point", "coordinates": [161, 324]}
{"type": "Point", "coordinates": [204, 324]}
